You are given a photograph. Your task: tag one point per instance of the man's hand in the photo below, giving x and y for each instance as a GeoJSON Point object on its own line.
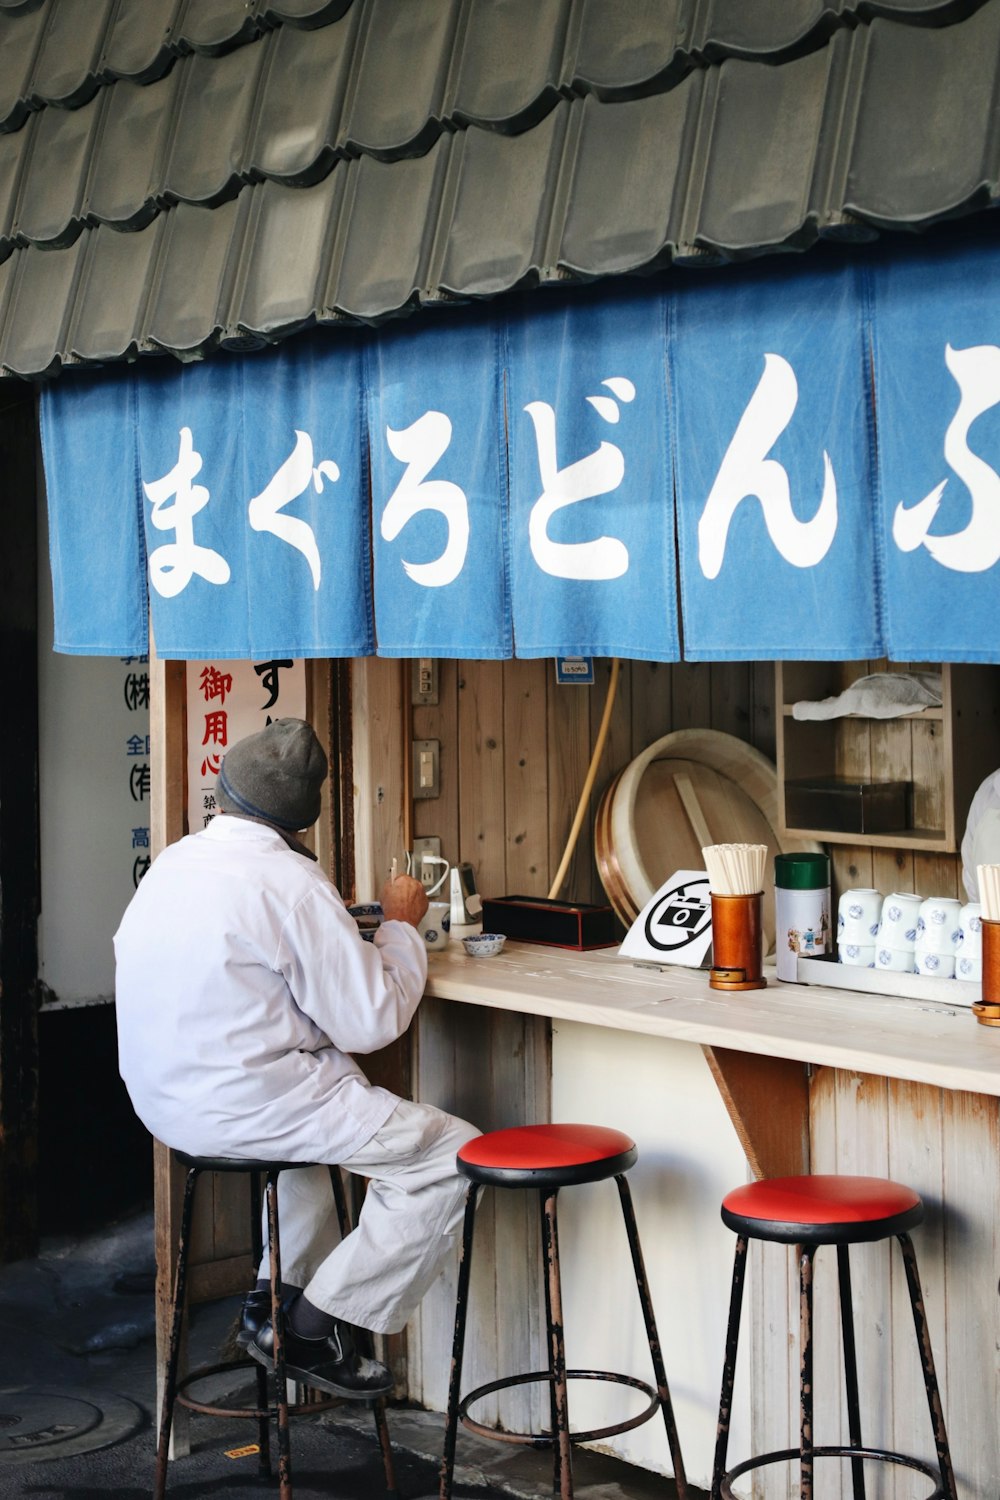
{"type": "Point", "coordinates": [403, 900]}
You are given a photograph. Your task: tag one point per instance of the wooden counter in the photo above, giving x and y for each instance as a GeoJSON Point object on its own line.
{"type": "Point", "coordinates": [813, 1078]}
{"type": "Point", "coordinates": [909, 1039]}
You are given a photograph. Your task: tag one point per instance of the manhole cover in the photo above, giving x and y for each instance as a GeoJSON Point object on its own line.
{"type": "Point", "coordinates": [45, 1423]}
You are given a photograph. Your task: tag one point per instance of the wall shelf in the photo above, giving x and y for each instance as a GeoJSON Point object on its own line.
{"type": "Point", "coordinates": [944, 753]}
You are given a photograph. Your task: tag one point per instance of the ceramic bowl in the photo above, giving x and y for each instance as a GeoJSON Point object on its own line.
{"type": "Point", "coordinates": [369, 918]}
{"type": "Point", "coordinates": [484, 944]}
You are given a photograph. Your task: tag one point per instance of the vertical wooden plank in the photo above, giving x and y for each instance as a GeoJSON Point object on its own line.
{"type": "Point", "coordinates": [862, 1146]}
{"type": "Point", "coordinates": [730, 696]}
{"type": "Point", "coordinates": [438, 816]}
{"type": "Point", "coordinates": [526, 777]}
{"type": "Point", "coordinates": [482, 806]}
{"type": "Point", "coordinates": [938, 875]}
{"type": "Point", "coordinates": [652, 702]}
{"type": "Point", "coordinates": [378, 749]}
{"type": "Point", "coordinates": [569, 715]}
{"type": "Point", "coordinates": [967, 1361]}
{"type": "Point", "coordinates": [493, 1069]}
{"type": "Point", "coordinates": [168, 740]}
{"type": "Point", "coordinates": [691, 695]}
{"type": "Point", "coordinates": [851, 865]}
{"type": "Point", "coordinates": [763, 708]}
{"type": "Point", "coordinates": [916, 1158]}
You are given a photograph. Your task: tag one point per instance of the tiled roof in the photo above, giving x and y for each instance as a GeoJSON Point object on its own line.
{"type": "Point", "coordinates": [175, 174]}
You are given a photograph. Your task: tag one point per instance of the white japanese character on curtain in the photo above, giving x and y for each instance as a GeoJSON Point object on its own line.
{"type": "Point", "coordinates": [172, 566]}
{"type": "Point", "coordinates": [746, 470]}
{"type": "Point", "coordinates": [977, 547]}
{"type": "Point", "coordinates": [291, 481]}
{"type": "Point", "coordinates": [420, 446]}
{"type": "Point", "coordinates": [598, 473]}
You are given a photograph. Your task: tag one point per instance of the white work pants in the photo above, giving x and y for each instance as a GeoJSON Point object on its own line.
{"type": "Point", "coordinates": [408, 1224]}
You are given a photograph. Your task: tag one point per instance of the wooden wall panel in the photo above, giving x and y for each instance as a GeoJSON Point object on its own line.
{"type": "Point", "coordinates": [944, 1144]}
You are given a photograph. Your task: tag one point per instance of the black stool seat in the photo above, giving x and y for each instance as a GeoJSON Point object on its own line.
{"type": "Point", "coordinates": [810, 1211]}
{"type": "Point", "coordinates": [177, 1391]}
{"type": "Point", "coordinates": [547, 1158]}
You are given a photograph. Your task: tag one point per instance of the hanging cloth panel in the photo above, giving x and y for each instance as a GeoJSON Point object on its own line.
{"type": "Point", "coordinates": [439, 490]}
{"type": "Point", "coordinates": [591, 513]}
{"type": "Point", "coordinates": [937, 385]}
{"type": "Point", "coordinates": [771, 413]}
{"type": "Point", "coordinates": [96, 548]}
{"type": "Point", "coordinates": [252, 470]}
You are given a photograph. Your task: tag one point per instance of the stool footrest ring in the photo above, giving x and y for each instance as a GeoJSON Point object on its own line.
{"type": "Point", "coordinates": [545, 1440]}
{"type": "Point", "coordinates": [880, 1455]}
{"type": "Point", "coordinates": [210, 1409]}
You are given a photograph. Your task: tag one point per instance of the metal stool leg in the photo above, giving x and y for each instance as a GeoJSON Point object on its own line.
{"type": "Point", "coordinates": [260, 1374]}
{"type": "Point", "coordinates": [278, 1325]}
{"type": "Point", "coordinates": [562, 1447]}
{"type": "Point", "coordinates": [655, 1350]}
{"type": "Point", "coordinates": [379, 1404]}
{"type": "Point", "coordinates": [729, 1367]}
{"type": "Point", "coordinates": [850, 1368]}
{"type": "Point", "coordinates": [805, 1254]}
{"type": "Point", "coordinates": [174, 1349]}
{"type": "Point", "coordinates": [927, 1364]}
{"type": "Point", "coordinates": [458, 1346]}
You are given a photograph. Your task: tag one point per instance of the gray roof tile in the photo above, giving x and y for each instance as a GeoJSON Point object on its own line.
{"type": "Point", "coordinates": [175, 176]}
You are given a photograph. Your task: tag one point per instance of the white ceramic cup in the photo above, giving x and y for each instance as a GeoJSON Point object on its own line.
{"type": "Point", "coordinates": [970, 930]}
{"type": "Point", "coordinates": [897, 926]}
{"type": "Point", "coordinates": [435, 924]}
{"type": "Point", "coordinates": [934, 965]}
{"type": "Point", "coordinates": [937, 924]}
{"type": "Point", "coordinates": [969, 966]}
{"type": "Point", "coordinates": [858, 914]}
{"type": "Point", "coordinates": [898, 960]}
{"type": "Point", "coordinates": [857, 955]}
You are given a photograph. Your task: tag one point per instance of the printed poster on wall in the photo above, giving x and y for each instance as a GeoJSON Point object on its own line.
{"type": "Point", "coordinates": [226, 701]}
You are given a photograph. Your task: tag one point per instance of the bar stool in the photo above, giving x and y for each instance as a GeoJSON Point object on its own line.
{"type": "Point", "coordinates": [175, 1391]}
{"type": "Point", "coordinates": [547, 1158]}
{"type": "Point", "coordinates": [808, 1212]}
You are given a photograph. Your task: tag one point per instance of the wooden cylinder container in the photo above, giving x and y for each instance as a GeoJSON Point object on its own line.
{"type": "Point", "coordinates": [988, 1011]}
{"type": "Point", "coordinates": [737, 943]}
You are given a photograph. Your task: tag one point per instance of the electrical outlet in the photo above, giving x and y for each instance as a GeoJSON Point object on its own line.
{"type": "Point", "coordinates": [426, 874]}
{"type": "Point", "coordinates": [424, 681]}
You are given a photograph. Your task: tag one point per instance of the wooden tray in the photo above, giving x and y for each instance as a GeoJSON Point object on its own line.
{"type": "Point", "coordinates": [886, 982]}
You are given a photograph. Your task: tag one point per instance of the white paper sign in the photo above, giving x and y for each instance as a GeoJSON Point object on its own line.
{"type": "Point", "coordinates": [675, 926]}
{"type": "Point", "coordinates": [227, 700]}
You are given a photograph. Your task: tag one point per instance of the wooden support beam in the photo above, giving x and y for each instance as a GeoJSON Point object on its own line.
{"type": "Point", "coordinates": [768, 1103]}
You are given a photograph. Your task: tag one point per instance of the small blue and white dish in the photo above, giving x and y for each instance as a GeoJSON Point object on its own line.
{"type": "Point", "coordinates": [484, 944]}
{"type": "Point", "coordinates": [369, 917]}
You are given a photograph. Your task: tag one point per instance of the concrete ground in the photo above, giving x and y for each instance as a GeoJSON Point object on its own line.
{"type": "Point", "coordinates": [77, 1397]}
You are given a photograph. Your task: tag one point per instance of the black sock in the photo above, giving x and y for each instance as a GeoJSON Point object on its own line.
{"type": "Point", "coordinates": [287, 1290]}
{"type": "Point", "coordinates": [309, 1322]}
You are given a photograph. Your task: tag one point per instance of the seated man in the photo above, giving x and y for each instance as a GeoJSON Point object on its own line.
{"type": "Point", "coordinates": [243, 987]}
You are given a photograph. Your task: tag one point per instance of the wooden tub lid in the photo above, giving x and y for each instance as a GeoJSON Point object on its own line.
{"type": "Point", "coordinates": [688, 789]}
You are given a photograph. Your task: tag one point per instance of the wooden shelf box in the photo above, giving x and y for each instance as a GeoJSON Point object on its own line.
{"type": "Point", "coordinates": [945, 753]}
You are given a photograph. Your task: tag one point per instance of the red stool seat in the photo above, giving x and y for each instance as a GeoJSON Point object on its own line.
{"type": "Point", "coordinates": [551, 1156]}
{"type": "Point", "coordinates": [822, 1210]}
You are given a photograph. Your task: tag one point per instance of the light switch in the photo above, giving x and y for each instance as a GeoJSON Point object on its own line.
{"type": "Point", "coordinates": [424, 680]}
{"type": "Point", "coordinates": [426, 768]}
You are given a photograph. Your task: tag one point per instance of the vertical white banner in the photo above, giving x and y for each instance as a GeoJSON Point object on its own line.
{"type": "Point", "coordinates": [226, 701]}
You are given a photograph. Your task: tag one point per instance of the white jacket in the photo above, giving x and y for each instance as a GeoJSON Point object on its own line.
{"type": "Point", "coordinates": [242, 986]}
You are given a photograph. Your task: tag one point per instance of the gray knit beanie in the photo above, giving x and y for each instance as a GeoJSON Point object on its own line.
{"type": "Point", "coordinates": [276, 775]}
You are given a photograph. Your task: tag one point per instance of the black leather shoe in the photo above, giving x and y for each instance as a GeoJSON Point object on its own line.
{"type": "Point", "coordinates": [330, 1364]}
{"type": "Point", "coordinates": [254, 1314]}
